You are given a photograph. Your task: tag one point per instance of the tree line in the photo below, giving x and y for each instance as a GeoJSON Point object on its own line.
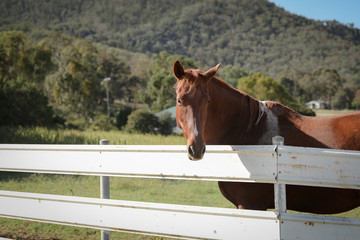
{"type": "Point", "coordinates": [57, 80]}
{"type": "Point", "coordinates": [254, 35]}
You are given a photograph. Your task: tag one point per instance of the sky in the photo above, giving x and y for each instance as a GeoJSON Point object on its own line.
{"type": "Point", "coordinates": [344, 11]}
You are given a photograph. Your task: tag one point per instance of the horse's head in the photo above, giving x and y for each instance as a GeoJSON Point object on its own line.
{"type": "Point", "coordinates": [192, 100]}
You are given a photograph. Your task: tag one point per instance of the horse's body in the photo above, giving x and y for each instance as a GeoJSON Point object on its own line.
{"type": "Point", "coordinates": [211, 112]}
{"type": "Point", "coordinates": [233, 122]}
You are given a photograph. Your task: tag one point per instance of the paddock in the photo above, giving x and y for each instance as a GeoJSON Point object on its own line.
{"type": "Point", "coordinates": [276, 164]}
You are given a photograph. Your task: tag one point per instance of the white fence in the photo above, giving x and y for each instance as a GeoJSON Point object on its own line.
{"type": "Point", "coordinates": [269, 164]}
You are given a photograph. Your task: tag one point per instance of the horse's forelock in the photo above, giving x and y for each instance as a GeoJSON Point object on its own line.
{"type": "Point", "coordinates": [190, 81]}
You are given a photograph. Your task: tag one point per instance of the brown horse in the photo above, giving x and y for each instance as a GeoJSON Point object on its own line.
{"type": "Point", "coordinates": [209, 111]}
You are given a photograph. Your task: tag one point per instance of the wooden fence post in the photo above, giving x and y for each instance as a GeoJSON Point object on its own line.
{"type": "Point", "coordinates": [105, 191]}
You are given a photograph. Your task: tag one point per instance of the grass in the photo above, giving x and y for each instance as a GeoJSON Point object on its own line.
{"type": "Point", "coordinates": [199, 193]}
{"type": "Point", "coordinates": [40, 135]}
{"type": "Point", "coordinates": [327, 112]}
{"type": "Point", "coordinates": [150, 190]}
{"type": "Point", "coordinates": [134, 189]}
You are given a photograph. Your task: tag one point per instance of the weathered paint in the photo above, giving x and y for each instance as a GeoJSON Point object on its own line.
{"type": "Point", "coordinates": [304, 166]}
{"type": "Point", "coordinates": [149, 218]}
{"type": "Point", "coordinates": [141, 161]}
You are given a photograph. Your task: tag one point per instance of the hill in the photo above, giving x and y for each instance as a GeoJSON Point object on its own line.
{"type": "Point", "coordinates": [255, 35]}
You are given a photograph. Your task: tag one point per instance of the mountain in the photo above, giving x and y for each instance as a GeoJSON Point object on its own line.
{"type": "Point", "coordinates": [255, 35]}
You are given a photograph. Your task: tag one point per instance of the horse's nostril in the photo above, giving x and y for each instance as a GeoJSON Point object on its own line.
{"type": "Point", "coordinates": [203, 150]}
{"type": "Point", "coordinates": [191, 150]}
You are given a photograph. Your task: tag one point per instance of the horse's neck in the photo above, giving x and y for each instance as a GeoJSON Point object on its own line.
{"type": "Point", "coordinates": [231, 109]}
{"type": "Point", "coordinates": [228, 100]}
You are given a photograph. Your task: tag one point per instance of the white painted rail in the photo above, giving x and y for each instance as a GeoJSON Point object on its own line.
{"type": "Point", "coordinates": [319, 167]}
{"type": "Point", "coordinates": [270, 164]}
{"type": "Point", "coordinates": [148, 218]}
{"type": "Point", "coordinates": [301, 166]}
{"type": "Point", "coordinates": [220, 163]}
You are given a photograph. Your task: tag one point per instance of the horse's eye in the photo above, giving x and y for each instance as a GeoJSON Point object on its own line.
{"type": "Point", "coordinates": [179, 101]}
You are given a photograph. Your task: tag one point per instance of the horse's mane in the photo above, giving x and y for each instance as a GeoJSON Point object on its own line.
{"type": "Point", "coordinates": [255, 108]}
{"type": "Point", "coordinates": [253, 103]}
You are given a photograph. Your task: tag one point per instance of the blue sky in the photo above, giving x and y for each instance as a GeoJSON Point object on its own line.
{"type": "Point", "coordinates": [344, 11]}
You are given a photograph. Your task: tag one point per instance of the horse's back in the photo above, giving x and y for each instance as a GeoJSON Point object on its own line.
{"type": "Point", "coordinates": [336, 132]}
{"type": "Point", "coordinates": [346, 128]}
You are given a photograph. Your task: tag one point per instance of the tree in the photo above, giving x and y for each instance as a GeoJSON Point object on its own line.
{"type": "Point", "coordinates": [321, 84]}
{"type": "Point", "coordinates": [231, 74]}
{"type": "Point", "coordinates": [293, 88]}
{"type": "Point", "coordinates": [160, 93]}
{"type": "Point", "coordinates": [119, 72]}
{"type": "Point", "coordinates": [339, 100]}
{"type": "Point", "coordinates": [23, 67]}
{"type": "Point", "coordinates": [356, 101]}
{"type": "Point", "coordinates": [24, 104]}
{"type": "Point", "coordinates": [81, 66]}
{"type": "Point", "coordinates": [265, 88]}
{"type": "Point", "coordinates": [79, 85]}
{"type": "Point", "coordinates": [20, 59]}
{"type": "Point", "coordinates": [326, 83]}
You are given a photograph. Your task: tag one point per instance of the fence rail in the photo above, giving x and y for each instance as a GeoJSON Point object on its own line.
{"type": "Point", "coordinates": [142, 161]}
{"type": "Point", "coordinates": [159, 219]}
{"type": "Point", "coordinates": [269, 164]}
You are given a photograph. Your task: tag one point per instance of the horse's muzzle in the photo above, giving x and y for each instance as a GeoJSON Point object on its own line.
{"type": "Point", "coordinates": [196, 152]}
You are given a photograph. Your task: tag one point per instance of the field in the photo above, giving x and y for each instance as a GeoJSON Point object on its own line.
{"type": "Point", "coordinates": [327, 112]}
{"type": "Point", "coordinates": [152, 190]}
{"type": "Point", "coordinates": [162, 191]}
{"type": "Point", "coordinates": [39, 135]}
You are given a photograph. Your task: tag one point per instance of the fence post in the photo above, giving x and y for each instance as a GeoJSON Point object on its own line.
{"type": "Point", "coordinates": [280, 189]}
{"type": "Point", "coordinates": [105, 191]}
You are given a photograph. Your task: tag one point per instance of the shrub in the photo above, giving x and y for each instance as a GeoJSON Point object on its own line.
{"type": "Point", "coordinates": [101, 122]}
{"type": "Point", "coordinates": [166, 124]}
{"type": "Point", "coordinates": [122, 116]}
{"type": "Point", "coordinates": [141, 121]}
{"type": "Point", "coordinates": [301, 109]}
{"type": "Point", "coordinates": [25, 105]}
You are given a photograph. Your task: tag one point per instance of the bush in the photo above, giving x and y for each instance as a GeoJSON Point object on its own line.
{"type": "Point", "coordinates": [166, 124]}
{"type": "Point", "coordinates": [339, 101]}
{"type": "Point", "coordinates": [301, 109]}
{"type": "Point", "coordinates": [101, 122]}
{"type": "Point", "coordinates": [23, 104]}
{"type": "Point", "coordinates": [141, 121]}
{"type": "Point", "coordinates": [122, 116]}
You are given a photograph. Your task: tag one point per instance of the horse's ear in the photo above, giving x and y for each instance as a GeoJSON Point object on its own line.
{"type": "Point", "coordinates": [212, 71]}
{"type": "Point", "coordinates": [178, 70]}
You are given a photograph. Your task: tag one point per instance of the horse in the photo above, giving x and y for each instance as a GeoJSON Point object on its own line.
{"type": "Point", "coordinates": [210, 112]}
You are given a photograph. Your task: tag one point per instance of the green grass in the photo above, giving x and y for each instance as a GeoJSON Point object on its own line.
{"type": "Point", "coordinates": [134, 189]}
{"type": "Point", "coordinates": [186, 192]}
{"type": "Point", "coordinates": [200, 193]}
{"type": "Point", "coordinates": [40, 135]}
{"type": "Point", "coordinates": [327, 112]}
{"type": "Point", "coordinates": [151, 190]}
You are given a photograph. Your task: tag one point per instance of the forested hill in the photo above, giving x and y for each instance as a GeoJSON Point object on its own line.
{"type": "Point", "coordinates": [255, 35]}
